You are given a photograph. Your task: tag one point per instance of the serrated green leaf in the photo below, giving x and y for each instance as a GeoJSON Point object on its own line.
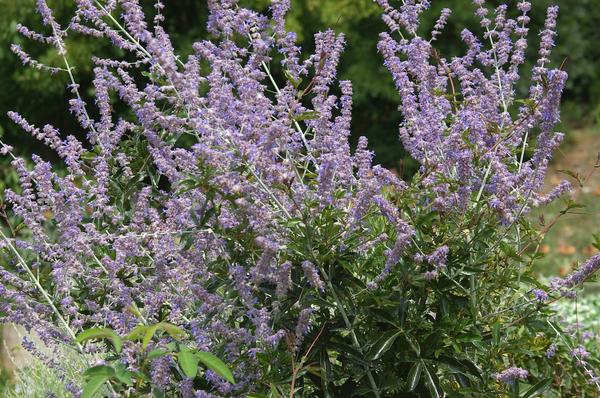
{"type": "Point", "coordinates": [100, 333]}
{"type": "Point", "coordinates": [216, 365]}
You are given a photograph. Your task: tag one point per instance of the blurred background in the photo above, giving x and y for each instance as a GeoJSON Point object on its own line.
{"type": "Point", "coordinates": [42, 97]}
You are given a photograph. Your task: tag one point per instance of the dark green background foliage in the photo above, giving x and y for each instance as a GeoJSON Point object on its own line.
{"type": "Point", "coordinates": [37, 95]}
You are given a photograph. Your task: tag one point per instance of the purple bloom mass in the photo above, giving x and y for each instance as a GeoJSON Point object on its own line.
{"type": "Point", "coordinates": [510, 375]}
{"type": "Point", "coordinates": [540, 295]}
{"type": "Point", "coordinates": [551, 351]}
{"type": "Point", "coordinates": [228, 202]}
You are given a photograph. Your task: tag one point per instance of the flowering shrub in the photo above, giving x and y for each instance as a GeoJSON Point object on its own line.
{"type": "Point", "coordinates": [218, 237]}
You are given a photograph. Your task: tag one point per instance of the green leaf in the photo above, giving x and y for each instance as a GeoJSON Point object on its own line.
{"type": "Point", "coordinates": [141, 376]}
{"type": "Point", "coordinates": [295, 82]}
{"type": "Point", "coordinates": [146, 333]}
{"type": "Point", "coordinates": [123, 375]}
{"type": "Point", "coordinates": [274, 392]}
{"type": "Point", "coordinates": [93, 385]}
{"type": "Point", "coordinates": [137, 333]}
{"type": "Point", "coordinates": [514, 389]}
{"type": "Point", "coordinates": [100, 370]}
{"type": "Point", "coordinates": [414, 344]}
{"type": "Point", "coordinates": [528, 101]}
{"type": "Point", "coordinates": [158, 393]}
{"type": "Point", "coordinates": [310, 115]}
{"type": "Point", "coordinates": [496, 333]}
{"type": "Point", "coordinates": [150, 331]}
{"type": "Point", "coordinates": [414, 375]}
{"type": "Point", "coordinates": [574, 175]}
{"type": "Point", "coordinates": [538, 389]}
{"type": "Point", "coordinates": [159, 352]}
{"type": "Point", "coordinates": [188, 363]}
{"type": "Point", "coordinates": [87, 155]}
{"type": "Point", "coordinates": [596, 243]}
{"type": "Point", "coordinates": [384, 343]}
{"type": "Point", "coordinates": [216, 365]}
{"type": "Point", "coordinates": [100, 333]}
{"type": "Point", "coordinates": [431, 383]}
{"type": "Point", "coordinates": [571, 204]}
{"type": "Point", "coordinates": [350, 353]}
{"type": "Point", "coordinates": [172, 330]}
{"type": "Point", "coordinates": [325, 372]}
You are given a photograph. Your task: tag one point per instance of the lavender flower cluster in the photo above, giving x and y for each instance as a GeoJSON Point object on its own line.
{"type": "Point", "coordinates": [511, 375]}
{"type": "Point", "coordinates": [185, 210]}
{"type": "Point", "coordinates": [458, 113]}
{"type": "Point", "coordinates": [245, 171]}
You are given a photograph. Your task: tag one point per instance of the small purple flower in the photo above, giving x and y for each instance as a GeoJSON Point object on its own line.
{"type": "Point", "coordinates": [430, 275]}
{"type": "Point", "coordinates": [284, 280]}
{"type": "Point", "coordinates": [161, 373]}
{"type": "Point", "coordinates": [551, 351]}
{"type": "Point", "coordinates": [5, 149]}
{"type": "Point", "coordinates": [439, 257]}
{"type": "Point", "coordinates": [588, 335]}
{"type": "Point", "coordinates": [510, 375]}
{"type": "Point", "coordinates": [540, 295]}
{"type": "Point", "coordinates": [303, 325]}
{"type": "Point", "coordinates": [580, 352]}
{"type": "Point", "coordinates": [312, 274]}
{"type": "Point", "coordinates": [186, 387]}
